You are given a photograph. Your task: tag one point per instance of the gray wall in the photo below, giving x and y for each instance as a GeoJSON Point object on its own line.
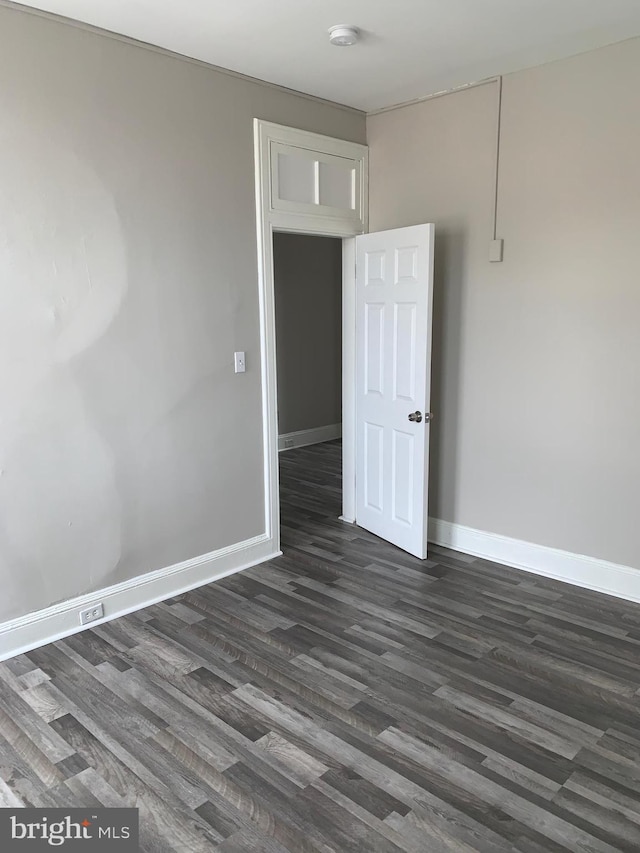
{"type": "Point", "coordinates": [128, 277]}
{"type": "Point", "coordinates": [536, 360]}
{"type": "Point", "coordinates": [308, 291]}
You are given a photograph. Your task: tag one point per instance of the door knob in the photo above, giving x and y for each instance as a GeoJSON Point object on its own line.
{"type": "Point", "coordinates": [416, 417]}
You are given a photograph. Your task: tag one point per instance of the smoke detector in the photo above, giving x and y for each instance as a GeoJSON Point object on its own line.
{"type": "Point", "coordinates": [343, 36]}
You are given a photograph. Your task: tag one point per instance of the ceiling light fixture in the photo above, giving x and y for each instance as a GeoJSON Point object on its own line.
{"type": "Point", "coordinates": [343, 36]}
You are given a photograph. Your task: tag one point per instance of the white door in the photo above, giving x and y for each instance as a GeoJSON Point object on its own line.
{"type": "Point", "coordinates": [394, 295]}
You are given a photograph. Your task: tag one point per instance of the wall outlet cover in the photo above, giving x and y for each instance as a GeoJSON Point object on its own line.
{"type": "Point", "coordinates": [92, 614]}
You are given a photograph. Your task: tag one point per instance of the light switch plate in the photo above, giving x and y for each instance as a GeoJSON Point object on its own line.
{"type": "Point", "coordinates": [239, 361]}
{"type": "Point", "coordinates": [496, 250]}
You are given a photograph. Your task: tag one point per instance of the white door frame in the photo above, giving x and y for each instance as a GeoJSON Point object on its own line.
{"type": "Point", "coordinates": [321, 223]}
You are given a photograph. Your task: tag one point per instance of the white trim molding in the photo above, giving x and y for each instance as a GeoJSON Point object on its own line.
{"type": "Point", "coordinates": [61, 620]}
{"type": "Point", "coordinates": [304, 437]}
{"type": "Point", "coordinates": [349, 379]}
{"type": "Point", "coordinates": [577, 569]}
{"type": "Point", "coordinates": [322, 222]}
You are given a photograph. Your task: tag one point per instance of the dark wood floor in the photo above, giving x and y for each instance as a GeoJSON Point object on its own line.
{"type": "Point", "coordinates": [345, 697]}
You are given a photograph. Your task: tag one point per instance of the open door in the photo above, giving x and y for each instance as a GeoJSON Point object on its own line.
{"type": "Point", "coordinates": [394, 297]}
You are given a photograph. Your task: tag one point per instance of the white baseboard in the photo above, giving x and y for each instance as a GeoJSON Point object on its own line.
{"type": "Point", "coordinates": [61, 620]}
{"type": "Point", "coordinates": [599, 575]}
{"type": "Point", "coordinates": [309, 436]}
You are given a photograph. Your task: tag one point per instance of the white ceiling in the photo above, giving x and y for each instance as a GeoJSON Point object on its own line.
{"type": "Point", "coordinates": [410, 48]}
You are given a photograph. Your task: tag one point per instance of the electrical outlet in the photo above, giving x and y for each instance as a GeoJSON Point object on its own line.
{"type": "Point", "coordinates": [91, 614]}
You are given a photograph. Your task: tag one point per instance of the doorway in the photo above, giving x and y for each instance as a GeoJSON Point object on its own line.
{"type": "Point", "coordinates": [312, 185]}
{"type": "Point", "coordinates": [307, 277]}
{"type": "Point", "coordinates": [315, 185]}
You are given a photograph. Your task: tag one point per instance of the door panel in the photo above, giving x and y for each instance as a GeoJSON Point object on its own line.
{"type": "Point", "coordinates": [394, 292]}
{"type": "Point", "coordinates": [406, 265]}
{"type": "Point", "coordinates": [374, 475]}
{"type": "Point", "coordinates": [374, 268]}
{"type": "Point", "coordinates": [374, 348]}
{"type": "Point", "coordinates": [402, 476]}
{"type": "Point", "coordinates": [404, 352]}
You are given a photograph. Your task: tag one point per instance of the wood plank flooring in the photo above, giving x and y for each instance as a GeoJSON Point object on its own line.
{"type": "Point", "coordinates": [344, 697]}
